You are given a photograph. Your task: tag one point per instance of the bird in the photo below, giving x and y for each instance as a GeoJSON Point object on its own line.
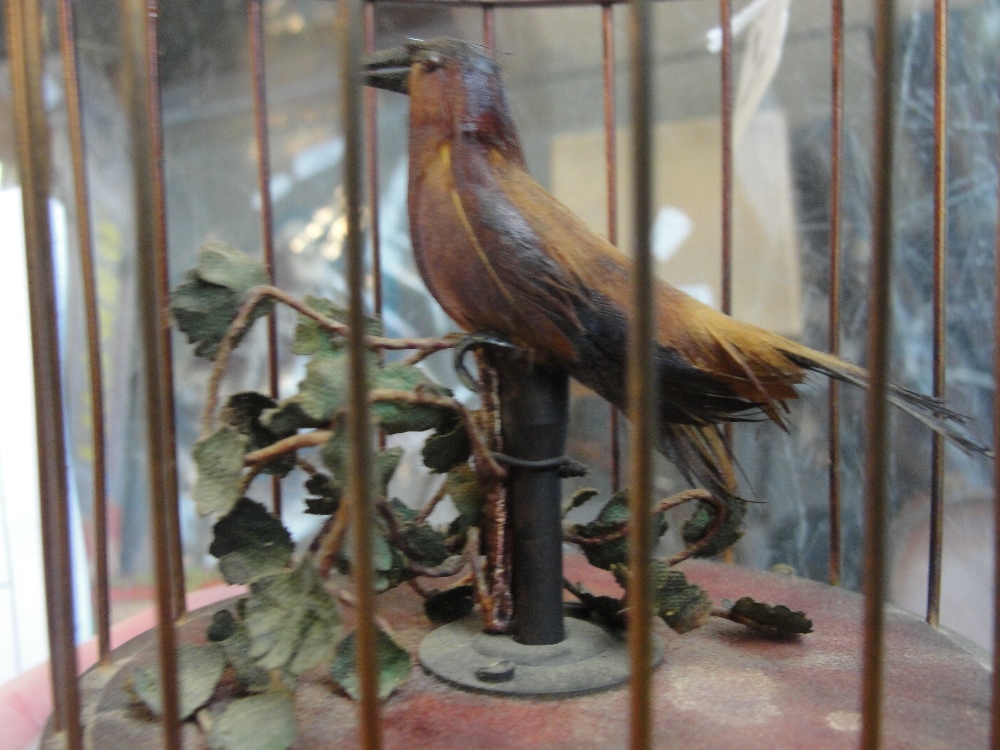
{"type": "Point", "coordinates": [504, 257]}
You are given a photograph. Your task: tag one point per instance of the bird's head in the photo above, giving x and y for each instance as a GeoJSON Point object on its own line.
{"type": "Point", "coordinates": [454, 88]}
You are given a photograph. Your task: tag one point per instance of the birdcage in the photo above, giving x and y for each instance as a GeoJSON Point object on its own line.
{"type": "Point", "coordinates": [824, 170]}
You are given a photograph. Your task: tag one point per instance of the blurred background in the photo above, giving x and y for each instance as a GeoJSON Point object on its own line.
{"type": "Point", "coordinates": [552, 63]}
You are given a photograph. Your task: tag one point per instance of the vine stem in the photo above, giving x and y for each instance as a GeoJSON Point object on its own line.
{"type": "Point", "coordinates": [718, 518]}
{"type": "Point", "coordinates": [431, 504]}
{"type": "Point", "coordinates": [254, 296]}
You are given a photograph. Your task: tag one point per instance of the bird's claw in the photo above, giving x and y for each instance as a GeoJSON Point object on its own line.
{"type": "Point", "coordinates": [475, 341]}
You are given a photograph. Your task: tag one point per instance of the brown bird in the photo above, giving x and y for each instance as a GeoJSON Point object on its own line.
{"type": "Point", "coordinates": [502, 256]}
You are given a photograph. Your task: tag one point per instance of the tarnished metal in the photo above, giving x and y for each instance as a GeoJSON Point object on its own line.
{"type": "Point", "coordinates": [25, 34]}
{"type": "Point", "coordinates": [726, 150]}
{"type": "Point", "coordinates": [371, 165]}
{"type": "Point", "coordinates": [164, 363]}
{"type": "Point", "coordinates": [81, 194]}
{"type": "Point", "coordinates": [139, 74]}
{"type": "Point", "coordinates": [489, 30]}
{"type": "Point", "coordinates": [641, 397]}
{"type": "Point", "coordinates": [358, 421]}
{"type": "Point", "coordinates": [995, 704]}
{"type": "Point", "coordinates": [940, 241]}
{"type": "Point", "coordinates": [833, 324]}
{"type": "Point", "coordinates": [876, 405]}
{"type": "Point", "coordinates": [255, 30]}
{"type": "Point", "coordinates": [611, 170]}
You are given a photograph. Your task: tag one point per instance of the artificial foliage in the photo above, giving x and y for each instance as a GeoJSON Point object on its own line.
{"type": "Point", "coordinates": [290, 621]}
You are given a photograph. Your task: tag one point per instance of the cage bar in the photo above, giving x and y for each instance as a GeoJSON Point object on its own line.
{"type": "Point", "coordinates": [995, 703]}
{"type": "Point", "coordinates": [141, 92]}
{"type": "Point", "coordinates": [371, 165]}
{"type": "Point", "coordinates": [641, 402]}
{"type": "Point", "coordinates": [833, 325]}
{"type": "Point", "coordinates": [25, 38]}
{"type": "Point", "coordinates": [359, 426]}
{"type": "Point", "coordinates": [81, 194]}
{"type": "Point", "coordinates": [611, 169]}
{"type": "Point", "coordinates": [876, 403]}
{"type": "Point", "coordinates": [939, 353]}
{"type": "Point", "coordinates": [255, 31]}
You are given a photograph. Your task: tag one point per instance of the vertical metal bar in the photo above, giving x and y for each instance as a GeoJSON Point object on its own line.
{"type": "Point", "coordinates": [726, 23]}
{"type": "Point", "coordinates": [139, 74]}
{"type": "Point", "coordinates": [836, 225]}
{"type": "Point", "coordinates": [371, 164]}
{"type": "Point", "coordinates": [611, 167]}
{"type": "Point", "coordinates": [995, 704]}
{"type": "Point", "coordinates": [255, 29]}
{"type": "Point", "coordinates": [939, 279]}
{"type": "Point", "coordinates": [74, 111]}
{"type": "Point", "coordinates": [641, 399]}
{"type": "Point", "coordinates": [489, 30]}
{"type": "Point", "coordinates": [165, 363]}
{"type": "Point", "coordinates": [24, 33]}
{"type": "Point", "coordinates": [726, 117]}
{"type": "Point", "coordinates": [359, 424]}
{"type": "Point", "coordinates": [878, 361]}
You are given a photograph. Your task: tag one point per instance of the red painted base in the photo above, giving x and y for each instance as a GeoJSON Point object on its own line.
{"type": "Point", "coordinates": [722, 686]}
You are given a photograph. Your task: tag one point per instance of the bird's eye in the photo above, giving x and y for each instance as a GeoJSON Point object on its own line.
{"type": "Point", "coordinates": [433, 61]}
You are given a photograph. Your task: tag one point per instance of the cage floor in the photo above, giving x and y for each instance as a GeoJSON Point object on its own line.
{"type": "Point", "coordinates": [721, 686]}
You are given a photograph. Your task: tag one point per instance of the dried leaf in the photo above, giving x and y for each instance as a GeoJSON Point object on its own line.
{"type": "Point", "coordinates": [219, 458]}
{"type": "Point", "coordinates": [449, 605]}
{"type": "Point", "coordinates": [198, 668]}
{"type": "Point", "coordinates": [580, 497]}
{"type": "Point", "coordinates": [394, 665]}
{"type": "Point", "coordinates": [243, 411]}
{"type": "Point", "coordinates": [683, 606]}
{"type": "Point", "coordinates": [447, 448]}
{"type": "Point", "coordinates": [774, 617]}
{"type": "Point", "coordinates": [468, 495]}
{"type": "Point", "coordinates": [250, 543]}
{"type": "Point", "coordinates": [291, 619]}
{"type": "Point", "coordinates": [732, 528]}
{"type": "Point", "coordinates": [260, 722]}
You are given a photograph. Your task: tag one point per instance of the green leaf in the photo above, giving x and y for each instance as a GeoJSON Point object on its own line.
{"type": "Point", "coordinates": [310, 336]}
{"type": "Point", "coordinates": [243, 411]}
{"type": "Point", "coordinates": [288, 418]}
{"type": "Point", "coordinates": [394, 665]}
{"type": "Point", "coordinates": [386, 462]}
{"type": "Point", "coordinates": [329, 493]}
{"type": "Point", "coordinates": [449, 605]}
{"type": "Point", "coordinates": [773, 617]}
{"type": "Point", "coordinates": [323, 392]}
{"type": "Point", "coordinates": [219, 458]}
{"type": "Point", "coordinates": [683, 606]}
{"type": "Point", "coordinates": [206, 304]}
{"type": "Point", "coordinates": [336, 454]}
{"type": "Point", "coordinates": [291, 619]}
{"type": "Point", "coordinates": [580, 497]}
{"type": "Point", "coordinates": [260, 722]}
{"type": "Point", "coordinates": [395, 417]}
{"type": "Point", "coordinates": [613, 551]}
{"type": "Point", "coordinates": [250, 543]}
{"type": "Point", "coordinates": [426, 544]}
{"type": "Point", "coordinates": [730, 532]}
{"type": "Point", "coordinates": [199, 669]}
{"type": "Point", "coordinates": [223, 625]}
{"type": "Point", "coordinates": [468, 495]}
{"type": "Point", "coordinates": [447, 448]}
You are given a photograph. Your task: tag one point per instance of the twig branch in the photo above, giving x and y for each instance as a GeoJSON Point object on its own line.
{"type": "Point", "coordinates": [426, 511]}
{"type": "Point", "coordinates": [255, 296]}
{"type": "Point", "coordinates": [333, 539]}
{"type": "Point", "coordinates": [287, 445]}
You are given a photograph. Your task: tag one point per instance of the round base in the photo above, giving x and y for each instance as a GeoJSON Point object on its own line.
{"type": "Point", "coordinates": [590, 658]}
{"type": "Point", "coordinates": [719, 687]}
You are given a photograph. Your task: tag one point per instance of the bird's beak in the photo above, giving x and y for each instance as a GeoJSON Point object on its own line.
{"type": "Point", "coordinates": [389, 70]}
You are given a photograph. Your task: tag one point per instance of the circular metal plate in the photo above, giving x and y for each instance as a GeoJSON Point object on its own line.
{"type": "Point", "coordinates": [590, 658]}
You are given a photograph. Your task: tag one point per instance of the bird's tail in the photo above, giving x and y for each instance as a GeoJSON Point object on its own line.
{"type": "Point", "coordinates": [926, 409]}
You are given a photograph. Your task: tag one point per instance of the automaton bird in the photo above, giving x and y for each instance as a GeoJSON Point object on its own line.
{"type": "Point", "coordinates": [502, 256]}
